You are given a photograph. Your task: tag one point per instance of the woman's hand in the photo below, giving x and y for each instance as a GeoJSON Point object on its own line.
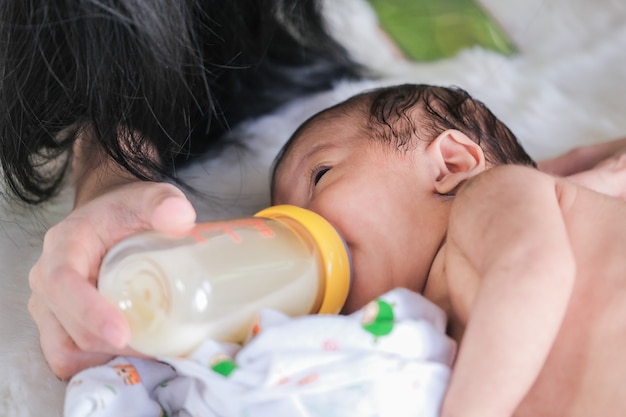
{"type": "Point", "coordinates": [78, 327]}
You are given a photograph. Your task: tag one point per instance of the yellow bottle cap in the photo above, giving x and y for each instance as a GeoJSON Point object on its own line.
{"type": "Point", "coordinates": [332, 249]}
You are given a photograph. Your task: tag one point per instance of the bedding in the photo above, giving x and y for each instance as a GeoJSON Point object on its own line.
{"type": "Point", "coordinates": [563, 88]}
{"type": "Point", "coordinates": [390, 359]}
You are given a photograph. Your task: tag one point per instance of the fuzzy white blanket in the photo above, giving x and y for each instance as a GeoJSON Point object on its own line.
{"type": "Point", "coordinates": [566, 87]}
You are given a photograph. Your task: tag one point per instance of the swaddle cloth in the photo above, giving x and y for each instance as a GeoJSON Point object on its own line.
{"type": "Point", "coordinates": [391, 358]}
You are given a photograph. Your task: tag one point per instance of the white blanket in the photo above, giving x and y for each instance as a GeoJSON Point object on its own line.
{"type": "Point", "coordinates": [565, 88]}
{"type": "Point", "coordinates": [392, 358]}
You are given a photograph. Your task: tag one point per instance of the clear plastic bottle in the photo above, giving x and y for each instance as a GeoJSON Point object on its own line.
{"type": "Point", "coordinates": [176, 291]}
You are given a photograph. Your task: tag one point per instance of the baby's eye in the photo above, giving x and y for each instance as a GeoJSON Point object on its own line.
{"type": "Point", "coordinates": [319, 174]}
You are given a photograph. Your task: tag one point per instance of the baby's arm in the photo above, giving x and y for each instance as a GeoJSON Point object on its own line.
{"type": "Point", "coordinates": [508, 233]}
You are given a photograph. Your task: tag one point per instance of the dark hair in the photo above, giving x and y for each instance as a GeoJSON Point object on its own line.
{"type": "Point", "coordinates": [175, 74]}
{"type": "Point", "coordinates": [442, 108]}
{"type": "Point", "coordinates": [392, 118]}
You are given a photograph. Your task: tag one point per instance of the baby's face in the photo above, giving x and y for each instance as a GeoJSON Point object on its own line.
{"type": "Point", "coordinates": [377, 197]}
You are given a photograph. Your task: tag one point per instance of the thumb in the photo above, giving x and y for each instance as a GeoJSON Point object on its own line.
{"type": "Point", "coordinates": [171, 212]}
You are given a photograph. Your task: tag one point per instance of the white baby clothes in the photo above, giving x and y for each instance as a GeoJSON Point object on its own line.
{"type": "Point", "coordinates": [123, 387]}
{"type": "Point", "coordinates": [391, 358]}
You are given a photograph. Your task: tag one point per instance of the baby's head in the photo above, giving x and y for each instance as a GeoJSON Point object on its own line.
{"type": "Point", "coordinates": [383, 166]}
{"type": "Point", "coordinates": [402, 114]}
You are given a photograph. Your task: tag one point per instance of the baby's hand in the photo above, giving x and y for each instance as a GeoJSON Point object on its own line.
{"type": "Point", "coordinates": [78, 327]}
{"type": "Point", "coordinates": [583, 158]}
{"type": "Point", "coordinates": [601, 167]}
{"type": "Point", "coordinates": [608, 177]}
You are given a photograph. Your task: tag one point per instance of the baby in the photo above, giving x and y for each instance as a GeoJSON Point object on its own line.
{"type": "Point", "coordinates": [433, 193]}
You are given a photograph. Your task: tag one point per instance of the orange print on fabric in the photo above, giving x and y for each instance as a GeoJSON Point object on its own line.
{"type": "Point", "coordinates": [127, 373]}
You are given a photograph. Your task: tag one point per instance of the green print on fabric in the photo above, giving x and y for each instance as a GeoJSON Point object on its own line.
{"type": "Point", "coordinates": [111, 388]}
{"type": "Point", "coordinates": [223, 365]}
{"type": "Point", "coordinates": [378, 318]}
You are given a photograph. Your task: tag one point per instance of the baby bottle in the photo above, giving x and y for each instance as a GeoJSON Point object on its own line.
{"type": "Point", "coordinates": [177, 291]}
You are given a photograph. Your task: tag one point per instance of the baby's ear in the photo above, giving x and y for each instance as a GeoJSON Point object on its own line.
{"type": "Point", "coordinates": [457, 158]}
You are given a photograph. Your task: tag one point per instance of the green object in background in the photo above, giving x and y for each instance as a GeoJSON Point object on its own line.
{"type": "Point", "coordinates": [426, 30]}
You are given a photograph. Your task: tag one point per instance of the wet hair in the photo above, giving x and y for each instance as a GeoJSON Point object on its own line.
{"type": "Point", "coordinates": [172, 74]}
{"type": "Point", "coordinates": [391, 118]}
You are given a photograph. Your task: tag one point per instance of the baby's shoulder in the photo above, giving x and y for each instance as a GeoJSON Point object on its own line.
{"type": "Point", "coordinates": [510, 173]}
{"type": "Point", "coordinates": [504, 189]}
{"type": "Point", "coordinates": [506, 179]}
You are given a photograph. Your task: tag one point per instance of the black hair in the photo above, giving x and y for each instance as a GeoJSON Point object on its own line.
{"type": "Point", "coordinates": [441, 108]}
{"type": "Point", "coordinates": [392, 119]}
{"type": "Point", "coordinates": [173, 73]}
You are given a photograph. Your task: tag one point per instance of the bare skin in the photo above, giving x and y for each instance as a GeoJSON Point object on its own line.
{"type": "Point", "coordinates": [529, 267]}
{"type": "Point", "coordinates": [77, 327]}
{"type": "Point", "coordinates": [548, 305]}
{"type": "Point", "coordinates": [600, 167]}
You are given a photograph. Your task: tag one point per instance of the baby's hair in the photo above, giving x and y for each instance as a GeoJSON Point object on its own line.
{"type": "Point", "coordinates": [172, 74]}
{"type": "Point", "coordinates": [392, 118]}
